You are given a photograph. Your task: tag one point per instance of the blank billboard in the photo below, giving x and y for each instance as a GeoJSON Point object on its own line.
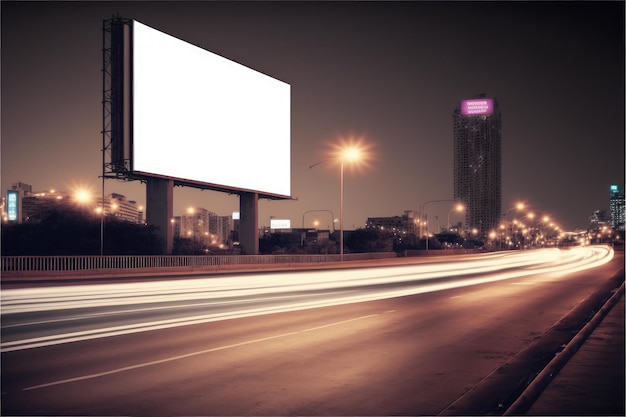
{"type": "Point", "coordinates": [202, 118]}
{"type": "Point", "coordinates": [280, 224]}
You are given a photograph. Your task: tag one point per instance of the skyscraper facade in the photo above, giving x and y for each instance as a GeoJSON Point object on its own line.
{"type": "Point", "coordinates": [478, 162]}
{"type": "Point", "coordinates": [616, 208]}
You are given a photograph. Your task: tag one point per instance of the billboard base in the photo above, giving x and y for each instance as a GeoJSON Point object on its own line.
{"type": "Point", "coordinates": [249, 223]}
{"type": "Point", "coordinates": [160, 210]}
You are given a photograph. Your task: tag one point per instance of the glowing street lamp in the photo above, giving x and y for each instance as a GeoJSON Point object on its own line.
{"type": "Point", "coordinates": [518, 207]}
{"type": "Point", "coordinates": [352, 152]}
{"type": "Point", "coordinates": [523, 228]}
{"type": "Point", "coordinates": [529, 216]}
{"type": "Point", "coordinates": [350, 155]}
{"type": "Point", "coordinates": [423, 221]}
{"type": "Point", "coordinates": [458, 208]}
{"type": "Point", "coordinates": [82, 196]}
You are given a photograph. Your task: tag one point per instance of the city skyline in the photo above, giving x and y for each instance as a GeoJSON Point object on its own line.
{"type": "Point", "coordinates": [388, 73]}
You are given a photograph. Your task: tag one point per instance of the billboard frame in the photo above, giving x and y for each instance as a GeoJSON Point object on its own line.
{"type": "Point", "coordinates": [117, 147]}
{"type": "Point", "coordinates": [117, 129]}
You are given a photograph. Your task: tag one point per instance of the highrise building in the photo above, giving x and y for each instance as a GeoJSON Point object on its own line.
{"type": "Point", "coordinates": [195, 224]}
{"type": "Point", "coordinates": [478, 162]}
{"type": "Point", "coordinates": [597, 220]}
{"type": "Point", "coordinates": [616, 208]}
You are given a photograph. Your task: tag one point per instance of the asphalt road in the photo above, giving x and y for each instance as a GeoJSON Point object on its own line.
{"type": "Point", "coordinates": [449, 350]}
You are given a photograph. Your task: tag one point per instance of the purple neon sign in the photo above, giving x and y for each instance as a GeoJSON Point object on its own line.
{"type": "Point", "coordinates": [477, 106]}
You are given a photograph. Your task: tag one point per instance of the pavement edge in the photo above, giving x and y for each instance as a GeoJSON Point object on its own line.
{"type": "Point", "coordinates": [541, 381]}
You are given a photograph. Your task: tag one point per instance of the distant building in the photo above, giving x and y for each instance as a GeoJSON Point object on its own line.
{"type": "Point", "coordinates": [598, 220]}
{"type": "Point", "coordinates": [407, 223]}
{"type": "Point", "coordinates": [478, 161]}
{"type": "Point", "coordinates": [225, 227]}
{"type": "Point", "coordinates": [205, 227]}
{"type": "Point", "coordinates": [34, 204]}
{"type": "Point", "coordinates": [176, 226]}
{"type": "Point", "coordinates": [118, 206]}
{"type": "Point", "coordinates": [25, 188]}
{"type": "Point", "coordinates": [616, 208]}
{"type": "Point", "coordinates": [194, 224]}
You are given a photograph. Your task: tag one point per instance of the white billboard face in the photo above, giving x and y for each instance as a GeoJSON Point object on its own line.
{"type": "Point", "coordinates": [280, 224]}
{"type": "Point", "coordinates": [200, 117]}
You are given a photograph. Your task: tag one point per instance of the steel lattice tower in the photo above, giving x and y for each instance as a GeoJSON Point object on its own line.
{"type": "Point", "coordinates": [478, 162]}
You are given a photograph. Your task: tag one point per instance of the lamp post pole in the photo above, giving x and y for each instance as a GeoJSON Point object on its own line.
{"type": "Point", "coordinates": [341, 162]}
{"type": "Point", "coordinates": [341, 213]}
{"type": "Point", "coordinates": [518, 206]}
{"type": "Point", "coordinates": [332, 221]}
{"type": "Point", "coordinates": [530, 216]}
{"type": "Point", "coordinates": [458, 208]}
{"type": "Point", "coordinates": [351, 153]}
{"type": "Point", "coordinates": [422, 216]}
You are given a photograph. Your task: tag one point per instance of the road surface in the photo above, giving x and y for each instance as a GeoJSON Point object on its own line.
{"type": "Point", "coordinates": [451, 337]}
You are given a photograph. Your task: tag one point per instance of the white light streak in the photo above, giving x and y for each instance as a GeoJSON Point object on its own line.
{"type": "Point", "coordinates": [279, 292]}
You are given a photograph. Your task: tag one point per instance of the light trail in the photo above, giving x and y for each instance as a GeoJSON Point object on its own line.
{"type": "Point", "coordinates": [252, 295]}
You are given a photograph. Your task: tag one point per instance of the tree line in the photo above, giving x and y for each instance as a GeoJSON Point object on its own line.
{"type": "Point", "coordinates": [68, 231]}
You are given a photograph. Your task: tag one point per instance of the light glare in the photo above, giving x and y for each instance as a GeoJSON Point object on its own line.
{"type": "Point", "coordinates": [354, 151]}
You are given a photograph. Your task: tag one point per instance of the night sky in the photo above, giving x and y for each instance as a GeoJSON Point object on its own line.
{"type": "Point", "coordinates": [390, 73]}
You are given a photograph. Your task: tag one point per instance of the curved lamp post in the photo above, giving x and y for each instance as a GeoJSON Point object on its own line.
{"type": "Point", "coordinates": [422, 215]}
{"type": "Point", "coordinates": [459, 208]}
{"type": "Point", "coordinates": [332, 219]}
{"type": "Point", "coordinates": [351, 153]}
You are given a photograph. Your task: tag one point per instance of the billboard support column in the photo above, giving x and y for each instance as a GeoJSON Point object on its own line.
{"type": "Point", "coordinates": [160, 210]}
{"type": "Point", "coordinates": [249, 223]}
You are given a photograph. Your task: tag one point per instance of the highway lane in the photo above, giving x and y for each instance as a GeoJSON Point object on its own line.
{"type": "Point", "coordinates": [35, 317]}
{"type": "Point", "coordinates": [410, 354]}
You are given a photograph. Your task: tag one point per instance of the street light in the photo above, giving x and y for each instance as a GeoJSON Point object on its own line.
{"type": "Point", "coordinates": [525, 230]}
{"type": "Point", "coordinates": [82, 196]}
{"type": "Point", "coordinates": [332, 218]}
{"type": "Point", "coordinates": [422, 216]}
{"type": "Point", "coordinates": [518, 206]}
{"type": "Point", "coordinates": [353, 152]}
{"type": "Point", "coordinates": [458, 208]}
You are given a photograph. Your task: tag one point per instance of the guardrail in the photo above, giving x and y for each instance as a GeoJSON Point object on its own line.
{"type": "Point", "coordinates": [84, 263]}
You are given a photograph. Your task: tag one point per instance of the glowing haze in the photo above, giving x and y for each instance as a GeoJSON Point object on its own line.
{"type": "Point", "coordinates": [391, 73]}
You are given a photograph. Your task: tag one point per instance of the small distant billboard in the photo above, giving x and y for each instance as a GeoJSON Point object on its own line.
{"type": "Point", "coordinates": [280, 224]}
{"type": "Point", "coordinates": [13, 210]}
{"type": "Point", "coordinates": [477, 106]}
